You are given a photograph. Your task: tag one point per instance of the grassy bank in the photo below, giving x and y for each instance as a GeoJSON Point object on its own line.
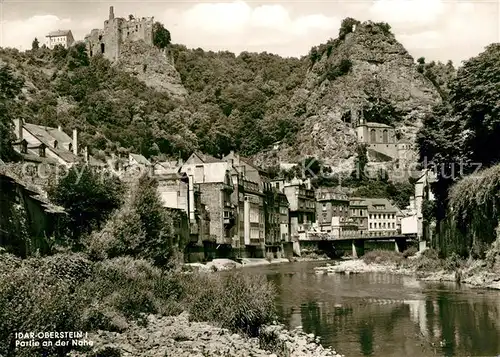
{"type": "Point", "coordinates": [68, 292]}
{"type": "Point", "coordinates": [430, 266]}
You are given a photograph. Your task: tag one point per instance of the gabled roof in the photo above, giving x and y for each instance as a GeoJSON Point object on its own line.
{"type": "Point", "coordinates": [58, 33]}
{"type": "Point", "coordinates": [207, 159]}
{"type": "Point", "coordinates": [388, 207]}
{"type": "Point", "coordinates": [48, 136]}
{"type": "Point", "coordinates": [372, 124]}
{"type": "Point", "coordinates": [141, 160]}
{"type": "Point", "coordinates": [31, 190]}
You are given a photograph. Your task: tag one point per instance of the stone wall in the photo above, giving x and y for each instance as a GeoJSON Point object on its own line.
{"type": "Point", "coordinates": [211, 197]}
{"type": "Point", "coordinates": [108, 40]}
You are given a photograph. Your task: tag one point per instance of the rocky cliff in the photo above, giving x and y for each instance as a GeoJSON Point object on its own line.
{"type": "Point", "coordinates": [152, 66]}
{"type": "Point", "coordinates": [365, 71]}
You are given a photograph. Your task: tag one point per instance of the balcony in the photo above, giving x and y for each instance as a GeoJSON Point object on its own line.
{"type": "Point", "coordinates": [229, 217]}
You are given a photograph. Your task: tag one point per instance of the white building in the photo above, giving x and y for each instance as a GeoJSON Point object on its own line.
{"type": "Point", "coordinates": [60, 37]}
{"type": "Point", "coordinates": [382, 217]}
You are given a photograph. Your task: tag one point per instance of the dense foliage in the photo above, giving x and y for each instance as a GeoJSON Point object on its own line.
{"type": "Point", "coordinates": [161, 36]}
{"type": "Point", "coordinates": [88, 197]}
{"type": "Point", "coordinates": [141, 228]}
{"type": "Point", "coordinates": [10, 88]}
{"type": "Point", "coordinates": [67, 292]}
{"type": "Point", "coordinates": [461, 135]}
{"type": "Point", "coordinates": [241, 103]}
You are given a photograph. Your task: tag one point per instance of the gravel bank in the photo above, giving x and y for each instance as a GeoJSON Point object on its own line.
{"type": "Point", "coordinates": [474, 275]}
{"type": "Point", "coordinates": [179, 337]}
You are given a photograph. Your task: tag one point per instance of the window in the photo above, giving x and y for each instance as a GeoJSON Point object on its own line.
{"type": "Point", "coordinates": [324, 207]}
{"type": "Point", "coordinates": [102, 47]}
{"type": "Point", "coordinates": [393, 226]}
{"type": "Point", "coordinates": [371, 225]}
{"type": "Point", "coordinates": [373, 136]}
{"type": "Point", "coordinates": [41, 150]}
{"type": "Point", "coordinates": [385, 136]}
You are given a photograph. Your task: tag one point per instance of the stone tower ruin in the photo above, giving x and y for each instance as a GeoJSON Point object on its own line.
{"type": "Point", "coordinates": [108, 40]}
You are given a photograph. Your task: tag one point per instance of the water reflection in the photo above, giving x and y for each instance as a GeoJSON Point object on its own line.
{"type": "Point", "coordinates": [387, 315]}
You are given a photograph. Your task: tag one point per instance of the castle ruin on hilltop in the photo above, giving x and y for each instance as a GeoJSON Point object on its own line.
{"type": "Point", "coordinates": [108, 40]}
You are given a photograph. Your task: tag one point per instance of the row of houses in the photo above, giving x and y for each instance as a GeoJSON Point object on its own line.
{"type": "Point", "coordinates": [243, 210]}
{"type": "Point", "coordinates": [228, 206]}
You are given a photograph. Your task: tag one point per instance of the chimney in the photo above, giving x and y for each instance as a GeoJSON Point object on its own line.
{"type": "Point", "coordinates": [111, 13]}
{"type": "Point", "coordinates": [18, 123]}
{"type": "Point", "coordinates": [59, 128]}
{"type": "Point", "coordinates": [75, 142]}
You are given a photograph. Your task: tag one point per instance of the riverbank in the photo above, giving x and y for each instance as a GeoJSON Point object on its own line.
{"type": "Point", "coordinates": [425, 267]}
{"type": "Point", "coordinates": [178, 336]}
{"type": "Point", "coordinates": [133, 308]}
{"type": "Point", "coordinates": [229, 264]}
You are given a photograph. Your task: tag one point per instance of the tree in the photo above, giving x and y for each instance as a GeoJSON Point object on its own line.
{"type": "Point", "coordinates": [474, 99]}
{"type": "Point", "coordinates": [156, 224]}
{"type": "Point", "coordinates": [77, 56]}
{"type": "Point", "coordinates": [161, 36]}
{"type": "Point", "coordinates": [10, 88]}
{"type": "Point", "coordinates": [347, 26]}
{"type": "Point", "coordinates": [88, 197]}
{"type": "Point", "coordinates": [360, 163]}
{"type": "Point", "coordinates": [35, 45]}
{"type": "Point", "coordinates": [462, 133]}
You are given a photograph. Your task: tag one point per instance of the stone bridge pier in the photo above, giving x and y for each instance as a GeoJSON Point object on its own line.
{"type": "Point", "coordinates": [358, 245]}
{"type": "Point", "coordinates": [358, 248]}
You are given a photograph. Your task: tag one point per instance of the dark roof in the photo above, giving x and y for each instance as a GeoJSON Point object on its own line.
{"type": "Point", "coordinates": [59, 33]}
{"type": "Point", "coordinates": [48, 136]}
{"type": "Point", "coordinates": [377, 125]}
{"type": "Point", "coordinates": [207, 159]}
{"type": "Point", "coordinates": [33, 191]}
{"type": "Point", "coordinates": [388, 207]}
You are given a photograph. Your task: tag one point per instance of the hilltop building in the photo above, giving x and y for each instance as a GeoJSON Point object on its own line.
{"type": "Point", "coordinates": [60, 37]}
{"type": "Point", "coordinates": [108, 40]}
{"type": "Point", "coordinates": [381, 141]}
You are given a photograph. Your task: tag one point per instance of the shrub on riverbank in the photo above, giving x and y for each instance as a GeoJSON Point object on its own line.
{"type": "Point", "coordinates": [67, 292]}
{"type": "Point", "coordinates": [379, 256]}
{"type": "Point", "coordinates": [473, 213]}
{"type": "Point", "coordinates": [236, 300]}
{"type": "Point", "coordinates": [428, 261]}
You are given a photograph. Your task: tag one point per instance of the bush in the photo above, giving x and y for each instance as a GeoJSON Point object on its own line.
{"type": "Point", "coordinates": [130, 288]}
{"type": "Point", "coordinates": [410, 252]}
{"type": "Point", "coordinates": [236, 301]}
{"type": "Point", "coordinates": [379, 256]}
{"type": "Point", "coordinates": [38, 295]}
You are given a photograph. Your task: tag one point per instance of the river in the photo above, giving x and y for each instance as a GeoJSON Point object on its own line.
{"type": "Point", "coordinates": [383, 315]}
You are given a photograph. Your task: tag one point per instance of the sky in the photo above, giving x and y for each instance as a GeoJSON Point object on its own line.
{"type": "Point", "coordinates": [435, 29]}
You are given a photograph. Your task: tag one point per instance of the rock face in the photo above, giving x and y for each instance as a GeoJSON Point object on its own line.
{"type": "Point", "coordinates": [151, 66]}
{"type": "Point", "coordinates": [177, 336]}
{"type": "Point", "coordinates": [355, 73]}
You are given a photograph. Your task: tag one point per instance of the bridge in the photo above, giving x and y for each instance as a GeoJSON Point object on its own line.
{"type": "Point", "coordinates": [357, 241]}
